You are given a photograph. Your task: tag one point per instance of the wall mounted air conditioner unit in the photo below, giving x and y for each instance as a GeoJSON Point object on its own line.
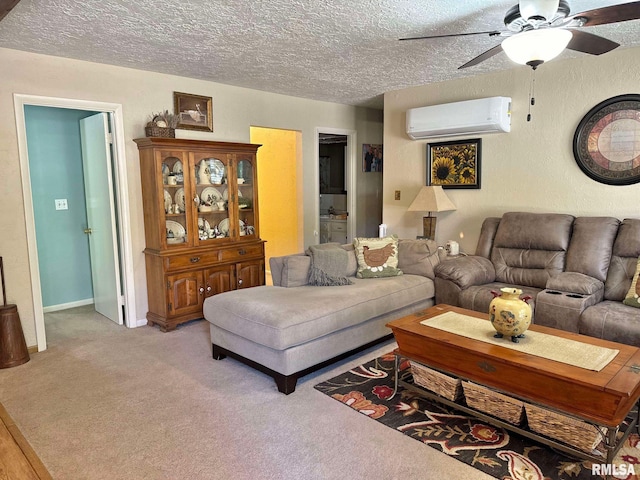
{"type": "Point", "coordinates": [471, 117]}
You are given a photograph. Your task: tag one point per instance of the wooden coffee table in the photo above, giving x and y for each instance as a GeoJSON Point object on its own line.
{"type": "Point", "coordinates": [602, 398]}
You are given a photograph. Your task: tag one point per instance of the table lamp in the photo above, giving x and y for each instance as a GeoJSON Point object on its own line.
{"type": "Point", "coordinates": [431, 199]}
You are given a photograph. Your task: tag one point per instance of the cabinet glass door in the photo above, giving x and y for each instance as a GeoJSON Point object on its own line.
{"type": "Point", "coordinates": [176, 194]}
{"type": "Point", "coordinates": [211, 196]}
{"type": "Point", "coordinates": [246, 178]}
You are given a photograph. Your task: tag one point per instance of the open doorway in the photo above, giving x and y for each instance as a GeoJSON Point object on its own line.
{"type": "Point", "coordinates": [73, 209]}
{"type": "Point", "coordinates": [53, 138]}
{"type": "Point", "coordinates": [332, 162]}
{"type": "Point", "coordinates": [123, 261]}
{"type": "Point", "coordinates": [336, 185]}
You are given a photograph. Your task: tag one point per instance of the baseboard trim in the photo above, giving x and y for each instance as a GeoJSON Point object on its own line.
{"type": "Point", "coordinates": [65, 306]}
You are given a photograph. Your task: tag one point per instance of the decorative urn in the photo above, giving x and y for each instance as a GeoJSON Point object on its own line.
{"type": "Point", "coordinates": [510, 315]}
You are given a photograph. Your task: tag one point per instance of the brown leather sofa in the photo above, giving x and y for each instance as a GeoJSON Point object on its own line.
{"type": "Point", "coordinates": [577, 269]}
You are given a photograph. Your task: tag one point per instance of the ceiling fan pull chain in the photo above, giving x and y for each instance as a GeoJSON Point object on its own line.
{"type": "Point", "coordinates": [532, 88]}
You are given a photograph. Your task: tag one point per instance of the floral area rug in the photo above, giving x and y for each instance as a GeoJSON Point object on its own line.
{"type": "Point", "coordinates": [495, 451]}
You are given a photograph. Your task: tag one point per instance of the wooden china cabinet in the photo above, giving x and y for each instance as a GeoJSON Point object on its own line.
{"type": "Point", "coordinates": [200, 202]}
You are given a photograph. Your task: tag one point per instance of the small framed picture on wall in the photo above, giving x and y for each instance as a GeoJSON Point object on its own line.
{"type": "Point", "coordinates": [194, 112]}
{"type": "Point", "coordinates": [371, 157]}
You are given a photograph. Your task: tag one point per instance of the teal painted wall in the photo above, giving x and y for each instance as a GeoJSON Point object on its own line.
{"type": "Point", "coordinates": [55, 165]}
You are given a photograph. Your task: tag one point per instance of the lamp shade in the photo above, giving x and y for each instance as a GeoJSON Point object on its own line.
{"type": "Point", "coordinates": [431, 199]}
{"type": "Point", "coordinates": [534, 47]}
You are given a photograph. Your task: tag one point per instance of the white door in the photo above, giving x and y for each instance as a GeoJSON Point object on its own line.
{"type": "Point", "coordinates": [101, 222]}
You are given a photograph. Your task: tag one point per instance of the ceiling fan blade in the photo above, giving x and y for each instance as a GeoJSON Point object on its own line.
{"type": "Point", "coordinates": [491, 34]}
{"type": "Point", "coordinates": [482, 57]}
{"type": "Point", "coordinates": [6, 6]}
{"type": "Point", "coordinates": [590, 43]}
{"type": "Point", "coordinates": [612, 14]}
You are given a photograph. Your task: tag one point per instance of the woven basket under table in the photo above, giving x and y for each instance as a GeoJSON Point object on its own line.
{"type": "Point", "coordinates": [569, 430]}
{"type": "Point", "coordinates": [496, 404]}
{"type": "Point", "coordinates": [444, 385]}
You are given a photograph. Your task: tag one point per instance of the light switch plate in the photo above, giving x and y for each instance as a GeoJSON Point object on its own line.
{"type": "Point", "coordinates": [61, 204]}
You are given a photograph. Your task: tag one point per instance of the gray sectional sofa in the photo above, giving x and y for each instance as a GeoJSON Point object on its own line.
{"type": "Point", "coordinates": [577, 269]}
{"type": "Point", "coordinates": [291, 328]}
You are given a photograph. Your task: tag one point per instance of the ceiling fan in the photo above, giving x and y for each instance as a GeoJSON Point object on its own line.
{"type": "Point", "coordinates": [539, 30]}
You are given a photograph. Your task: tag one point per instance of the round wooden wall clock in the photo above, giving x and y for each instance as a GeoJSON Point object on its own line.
{"type": "Point", "coordinates": [606, 144]}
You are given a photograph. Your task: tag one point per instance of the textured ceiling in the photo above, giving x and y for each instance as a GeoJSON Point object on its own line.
{"type": "Point", "coordinates": [344, 51]}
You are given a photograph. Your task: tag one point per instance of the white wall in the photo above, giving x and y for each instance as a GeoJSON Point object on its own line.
{"type": "Point", "coordinates": [532, 168]}
{"type": "Point", "coordinates": [141, 93]}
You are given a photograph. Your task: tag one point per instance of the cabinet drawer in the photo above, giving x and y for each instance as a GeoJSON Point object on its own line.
{"type": "Point", "coordinates": [240, 252]}
{"type": "Point", "coordinates": [184, 261]}
{"type": "Point", "coordinates": [338, 227]}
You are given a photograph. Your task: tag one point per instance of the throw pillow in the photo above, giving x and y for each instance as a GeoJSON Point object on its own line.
{"type": "Point", "coordinates": [295, 271]}
{"type": "Point", "coordinates": [352, 264]}
{"type": "Point", "coordinates": [633, 295]}
{"type": "Point", "coordinates": [419, 257]}
{"type": "Point", "coordinates": [329, 245]}
{"type": "Point", "coordinates": [377, 257]}
{"type": "Point", "coordinates": [328, 265]}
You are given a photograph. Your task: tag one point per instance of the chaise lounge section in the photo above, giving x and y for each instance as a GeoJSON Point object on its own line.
{"type": "Point", "coordinates": [291, 328]}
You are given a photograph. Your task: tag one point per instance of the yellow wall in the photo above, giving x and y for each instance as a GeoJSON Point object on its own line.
{"type": "Point", "coordinates": [280, 204]}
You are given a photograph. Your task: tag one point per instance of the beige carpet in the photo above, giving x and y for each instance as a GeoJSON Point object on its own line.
{"type": "Point", "coordinates": [106, 402]}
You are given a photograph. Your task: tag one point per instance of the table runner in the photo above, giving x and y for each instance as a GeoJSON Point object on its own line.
{"type": "Point", "coordinates": [571, 352]}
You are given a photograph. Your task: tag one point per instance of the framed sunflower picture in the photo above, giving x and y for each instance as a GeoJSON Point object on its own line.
{"type": "Point", "coordinates": [454, 164]}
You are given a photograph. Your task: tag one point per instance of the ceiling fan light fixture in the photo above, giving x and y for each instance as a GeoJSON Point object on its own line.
{"type": "Point", "coordinates": [534, 47]}
{"type": "Point", "coordinates": [538, 9]}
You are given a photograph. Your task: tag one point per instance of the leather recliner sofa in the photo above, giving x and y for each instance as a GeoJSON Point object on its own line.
{"type": "Point", "coordinates": [577, 269]}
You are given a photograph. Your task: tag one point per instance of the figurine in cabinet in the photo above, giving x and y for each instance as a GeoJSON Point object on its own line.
{"type": "Point", "coordinates": [204, 173]}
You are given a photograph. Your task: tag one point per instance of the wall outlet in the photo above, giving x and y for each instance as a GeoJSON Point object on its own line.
{"type": "Point", "coordinates": [397, 194]}
{"type": "Point", "coordinates": [61, 204]}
